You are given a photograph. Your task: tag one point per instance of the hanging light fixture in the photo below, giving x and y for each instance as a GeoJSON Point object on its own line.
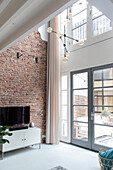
{"type": "Point", "coordinates": [70, 13]}
{"type": "Point", "coordinates": [49, 29]}
{"type": "Point", "coordinates": [81, 42]}
{"type": "Point", "coordinates": [59, 35]}
{"type": "Point", "coordinates": [67, 53]}
{"type": "Point", "coordinates": [65, 59]}
{"type": "Point", "coordinates": [69, 16]}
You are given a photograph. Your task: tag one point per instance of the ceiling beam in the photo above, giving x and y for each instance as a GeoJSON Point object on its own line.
{"type": "Point", "coordinates": [9, 9]}
{"type": "Point", "coordinates": [31, 18]}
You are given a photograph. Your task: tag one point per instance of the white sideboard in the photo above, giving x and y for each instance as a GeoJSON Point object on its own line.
{"type": "Point", "coordinates": [21, 138]}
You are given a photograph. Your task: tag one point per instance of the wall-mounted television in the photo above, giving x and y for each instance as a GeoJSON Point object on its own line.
{"type": "Point", "coordinates": [14, 115]}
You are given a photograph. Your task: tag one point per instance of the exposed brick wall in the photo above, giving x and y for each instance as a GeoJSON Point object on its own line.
{"type": "Point", "coordinates": [22, 81]}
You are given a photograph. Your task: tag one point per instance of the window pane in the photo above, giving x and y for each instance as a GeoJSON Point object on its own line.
{"type": "Point", "coordinates": [100, 109]}
{"type": "Point", "coordinates": [107, 98]}
{"type": "Point", "coordinates": [97, 78]}
{"type": "Point", "coordinates": [80, 80]}
{"type": "Point", "coordinates": [108, 73]}
{"type": "Point", "coordinates": [80, 131]}
{"type": "Point", "coordinates": [64, 112]}
{"type": "Point", "coordinates": [97, 109]}
{"type": "Point", "coordinates": [108, 83]}
{"type": "Point", "coordinates": [63, 27]}
{"type": "Point", "coordinates": [79, 33]}
{"type": "Point", "coordinates": [95, 12]}
{"type": "Point", "coordinates": [79, 6]}
{"type": "Point", "coordinates": [80, 97]}
{"type": "Point", "coordinates": [108, 101]}
{"type": "Point", "coordinates": [79, 19]}
{"type": "Point", "coordinates": [64, 82]}
{"type": "Point", "coordinates": [105, 75]}
{"type": "Point", "coordinates": [101, 23]}
{"type": "Point", "coordinates": [98, 97]}
{"type": "Point", "coordinates": [64, 128]}
{"type": "Point", "coordinates": [105, 118]}
{"type": "Point", "coordinates": [103, 135]}
{"type": "Point", "coordinates": [98, 75]}
{"type": "Point", "coordinates": [108, 91]}
{"type": "Point", "coordinates": [80, 113]}
{"type": "Point", "coordinates": [64, 97]}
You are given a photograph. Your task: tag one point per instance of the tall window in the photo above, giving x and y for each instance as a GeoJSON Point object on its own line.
{"type": "Point", "coordinates": [100, 22]}
{"type": "Point", "coordinates": [82, 18]}
{"type": "Point", "coordinates": [80, 106]}
{"type": "Point", "coordinates": [63, 30]}
{"type": "Point", "coordinates": [103, 106]}
{"type": "Point", "coordinates": [64, 106]}
{"type": "Point", "coordinates": [79, 20]}
{"type": "Point", "coordinates": [92, 107]}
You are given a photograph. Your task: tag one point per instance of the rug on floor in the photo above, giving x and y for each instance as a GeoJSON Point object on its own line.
{"type": "Point", "coordinates": [58, 168]}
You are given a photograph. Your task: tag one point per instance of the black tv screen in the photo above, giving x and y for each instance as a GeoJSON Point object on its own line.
{"type": "Point", "coordinates": [14, 115]}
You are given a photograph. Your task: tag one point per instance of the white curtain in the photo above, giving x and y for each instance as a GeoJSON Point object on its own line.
{"type": "Point", "coordinates": [53, 77]}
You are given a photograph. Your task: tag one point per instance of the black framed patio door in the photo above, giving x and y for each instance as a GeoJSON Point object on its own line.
{"type": "Point", "coordinates": [92, 107]}
{"type": "Point", "coordinates": [102, 107]}
{"type": "Point", "coordinates": [80, 102]}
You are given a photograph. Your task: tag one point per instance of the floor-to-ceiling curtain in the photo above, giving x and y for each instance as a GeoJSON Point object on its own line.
{"type": "Point", "coordinates": [53, 72]}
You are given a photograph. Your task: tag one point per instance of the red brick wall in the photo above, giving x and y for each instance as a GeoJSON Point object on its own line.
{"type": "Point", "coordinates": [22, 81]}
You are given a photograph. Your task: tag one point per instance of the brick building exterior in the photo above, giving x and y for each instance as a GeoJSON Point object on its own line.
{"type": "Point", "coordinates": [22, 81]}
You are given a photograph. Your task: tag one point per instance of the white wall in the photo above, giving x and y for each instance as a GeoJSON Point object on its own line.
{"type": "Point", "coordinates": [97, 54]}
{"type": "Point", "coordinates": [43, 32]}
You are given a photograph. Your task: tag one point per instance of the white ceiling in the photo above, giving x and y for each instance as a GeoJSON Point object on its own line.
{"type": "Point", "coordinates": [18, 18]}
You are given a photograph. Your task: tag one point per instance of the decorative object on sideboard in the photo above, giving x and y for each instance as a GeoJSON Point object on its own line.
{"type": "Point", "coordinates": [43, 138]}
{"type": "Point", "coordinates": [32, 124]}
{"type": "Point", "coordinates": [3, 132]}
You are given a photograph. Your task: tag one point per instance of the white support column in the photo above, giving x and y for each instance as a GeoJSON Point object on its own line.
{"type": "Point", "coordinates": [89, 22]}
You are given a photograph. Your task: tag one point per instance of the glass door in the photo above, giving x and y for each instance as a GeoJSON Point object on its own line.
{"type": "Point", "coordinates": [80, 108]}
{"type": "Point", "coordinates": [102, 108]}
{"type": "Point", "coordinates": [64, 108]}
{"type": "Point", "coordinates": [92, 107]}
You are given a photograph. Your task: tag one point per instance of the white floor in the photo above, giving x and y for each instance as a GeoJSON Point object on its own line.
{"type": "Point", "coordinates": [49, 156]}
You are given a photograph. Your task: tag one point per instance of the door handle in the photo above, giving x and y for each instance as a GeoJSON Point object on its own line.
{"type": "Point", "coordinates": [92, 115]}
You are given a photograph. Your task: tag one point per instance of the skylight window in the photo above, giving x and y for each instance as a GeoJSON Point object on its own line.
{"type": "Point", "coordinates": [100, 23]}
{"type": "Point", "coordinates": [79, 20]}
